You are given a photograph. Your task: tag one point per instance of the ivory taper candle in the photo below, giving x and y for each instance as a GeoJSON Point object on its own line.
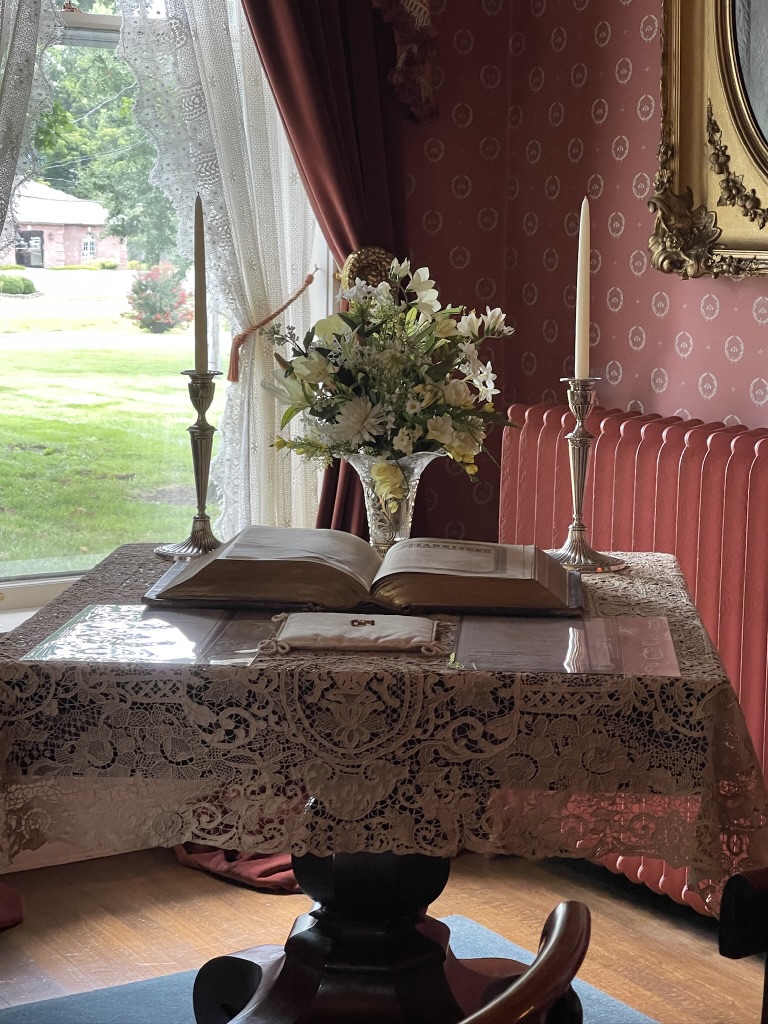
{"type": "Point", "coordinates": [201, 310]}
{"type": "Point", "coordinates": [581, 361]}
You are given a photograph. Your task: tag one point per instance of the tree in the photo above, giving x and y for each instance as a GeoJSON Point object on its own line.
{"type": "Point", "coordinates": [89, 145]}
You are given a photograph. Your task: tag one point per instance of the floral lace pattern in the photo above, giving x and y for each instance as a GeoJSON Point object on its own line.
{"type": "Point", "coordinates": [204, 102]}
{"type": "Point", "coordinates": [401, 753]}
{"type": "Point", "coordinates": [27, 29]}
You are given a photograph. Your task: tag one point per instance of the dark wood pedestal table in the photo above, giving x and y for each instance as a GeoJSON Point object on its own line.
{"type": "Point", "coordinates": [410, 757]}
{"type": "Point", "coordinates": [366, 954]}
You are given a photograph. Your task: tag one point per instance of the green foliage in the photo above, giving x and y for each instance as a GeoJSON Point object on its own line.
{"type": "Point", "coordinates": [96, 6]}
{"type": "Point", "coordinates": [11, 266]}
{"type": "Point", "coordinates": [52, 126]}
{"type": "Point", "coordinates": [15, 285]}
{"type": "Point", "coordinates": [98, 265]}
{"type": "Point", "coordinates": [103, 464]}
{"type": "Point", "coordinates": [90, 147]}
{"type": "Point", "coordinates": [94, 447]}
{"type": "Point", "coordinates": [77, 266]}
{"type": "Point", "coordinates": [158, 301]}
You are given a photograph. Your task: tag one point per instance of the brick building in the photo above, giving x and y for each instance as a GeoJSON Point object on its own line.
{"type": "Point", "coordinates": [57, 229]}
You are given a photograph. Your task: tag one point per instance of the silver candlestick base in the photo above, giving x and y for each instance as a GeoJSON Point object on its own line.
{"type": "Point", "coordinates": [201, 540]}
{"type": "Point", "coordinates": [577, 553]}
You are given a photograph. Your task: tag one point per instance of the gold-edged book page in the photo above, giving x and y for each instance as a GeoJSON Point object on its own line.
{"type": "Point", "coordinates": [445, 574]}
{"type": "Point", "coordinates": [274, 566]}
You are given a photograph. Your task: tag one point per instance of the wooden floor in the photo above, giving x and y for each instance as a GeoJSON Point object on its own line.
{"type": "Point", "coordinates": [140, 915]}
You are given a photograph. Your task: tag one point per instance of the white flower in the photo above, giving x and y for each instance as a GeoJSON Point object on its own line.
{"type": "Point", "coordinates": [392, 359]}
{"type": "Point", "coordinates": [471, 363]}
{"type": "Point", "coordinates": [426, 294]}
{"type": "Point", "coordinates": [427, 302]}
{"type": "Point", "coordinates": [420, 281]}
{"type": "Point", "coordinates": [400, 270]}
{"type": "Point", "coordinates": [370, 379]}
{"type": "Point", "coordinates": [405, 439]}
{"type": "Point", "coordinates": [363, 292]}
{"type": "Point", "coordinates": [484, 383]}
{"type": "Point", "coordinates": [456, 392]}
{"type": "Point", "coordinates": [469, 326]}
{"type": "Point", "coordinates": [465, 445]}
{"type": "Point", "coordinates": [329, 325]}
{"type": "Point", "coordinates": [359, 421]}
{"type": "Point", "coordinates": [487, 391]}
{"type": "Point", "coordinates": [445, 327]}
{"type": "Point", "coordinates": [317, 430]}
{"type": "Point", "coordinates": [427, 394]}
{"type": "Point", "coordinates": [440, 429]}
{"type": "Point", "coordinates": [494, 323]}
{"type": "Point", "coordinates": [388, 481]}
{"type": "Point", "coordinates": [312, 368]}
{"type": "Point", "coordinates": [287, 390]}
{"type": "Point", "coordinates": [382, 293]}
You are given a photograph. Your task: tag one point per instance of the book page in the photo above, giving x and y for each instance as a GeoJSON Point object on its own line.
{"type": "Point", "coordinates": [344, 551]}
{"type": "Point", "coordinates": [348, 554]}
{"type": "Point", "coordinates": [458, 558]}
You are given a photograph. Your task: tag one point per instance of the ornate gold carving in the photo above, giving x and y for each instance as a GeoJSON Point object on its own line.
{"type": "Point", "coordinates": [370, 264]}
{"type": "Point", "coordinates": [683, 236]}
{"type": "Point", "coordinates": [702, 90]}
{"type": "Point", "coordinates": [733, 192]}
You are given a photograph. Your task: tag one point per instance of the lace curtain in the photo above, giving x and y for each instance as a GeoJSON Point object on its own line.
{"type": "Point", "coordinates": [204, 102]}
{"type": "Point", "coordinates": [27, 27]}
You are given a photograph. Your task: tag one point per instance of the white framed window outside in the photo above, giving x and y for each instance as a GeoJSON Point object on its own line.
{"type": "Point", "coordinates": [130, 410]}
{"type": "Point", "coordinates": [88, 251]}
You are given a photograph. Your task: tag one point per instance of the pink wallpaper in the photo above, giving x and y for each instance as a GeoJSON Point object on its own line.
{"type": "Point", "coordinates": [541, 103]}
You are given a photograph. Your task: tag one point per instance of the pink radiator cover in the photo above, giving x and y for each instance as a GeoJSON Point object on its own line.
{"type": "Point", "coordinates": [696, 490]}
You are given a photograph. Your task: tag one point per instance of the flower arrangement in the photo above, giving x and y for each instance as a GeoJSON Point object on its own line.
{"type": "Point", "coordinates": [394, 375]}
{"type": "Point", "coordinates": [157, 300]}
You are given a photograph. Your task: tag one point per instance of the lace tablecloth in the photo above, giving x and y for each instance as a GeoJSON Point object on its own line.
{"type": "Point", "coordinates": [401, 752]}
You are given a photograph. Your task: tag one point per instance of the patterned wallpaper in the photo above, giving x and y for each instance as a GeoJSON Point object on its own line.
{"type": "Point", "coordinates": [541, 103]}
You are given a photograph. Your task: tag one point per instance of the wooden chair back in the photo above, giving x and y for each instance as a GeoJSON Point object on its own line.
{"type": "Point", "coordinates": [528, 1000]}
{"type": "Point", "coordinates": [743, 928]}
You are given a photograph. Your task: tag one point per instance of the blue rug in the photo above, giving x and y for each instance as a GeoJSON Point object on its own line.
{"type": "Point", "coordinates": [169, 1000]}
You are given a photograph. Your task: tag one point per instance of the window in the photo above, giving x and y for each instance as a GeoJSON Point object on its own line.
{"type": "Point", "coordinates": [98, 450]}
{"type": "Point", "coordinates": [88, 254]}
{"type": "Point", "coordinates": [94, 420]}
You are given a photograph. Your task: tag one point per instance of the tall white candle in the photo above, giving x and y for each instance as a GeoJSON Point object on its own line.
{"type": "Point", "coordinates": [201, 310]}
{"type": "Point", "coordinates": [581, 361]}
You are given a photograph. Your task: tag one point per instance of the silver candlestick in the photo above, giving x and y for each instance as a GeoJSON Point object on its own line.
{"type": "Point", "coordinates": [201, 540]}
{"type": "Point", "coordinates": [577, 553]}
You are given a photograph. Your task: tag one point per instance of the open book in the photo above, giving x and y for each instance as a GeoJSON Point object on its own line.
{"type": "Point", "coordinates": [277, 567]}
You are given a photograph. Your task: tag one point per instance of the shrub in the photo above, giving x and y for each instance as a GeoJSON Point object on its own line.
{"type": "Point", "coordinates": [11, 266]}
{"type": "Point", "coordinates": [107, 264]}
{"type": "Point", "coordinates": [136, 265]}
{"type": "Point", "coordinates": [157, 300]}
{"type": "Point", "coordinates": [16, 285]}
{"type": "Point", "coordinates": [77, 266]}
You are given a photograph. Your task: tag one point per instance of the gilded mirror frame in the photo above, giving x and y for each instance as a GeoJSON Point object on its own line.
{"type": "Point", "coordinates": [711, 189]}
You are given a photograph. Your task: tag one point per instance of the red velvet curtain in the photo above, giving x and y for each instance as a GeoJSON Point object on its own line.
{"type": "Point", "coordinates": [327, 63]}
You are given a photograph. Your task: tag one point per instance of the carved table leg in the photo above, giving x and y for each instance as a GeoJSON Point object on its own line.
{"type": "Point", "coordinates": [366, 952]}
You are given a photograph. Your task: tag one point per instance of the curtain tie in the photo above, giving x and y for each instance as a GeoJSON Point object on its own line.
{"type": "Point", "coordinates": [239, 339]}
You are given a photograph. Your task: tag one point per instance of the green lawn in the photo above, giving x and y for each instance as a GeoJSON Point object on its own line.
{"type": "Point", "coordinates": [93, 440]}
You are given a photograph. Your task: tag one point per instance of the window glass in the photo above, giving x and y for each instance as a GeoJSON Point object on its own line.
{"type": "Point", "coordinates": [89, 249]}
{"type": "Point", "coordinates": [95, 409]}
